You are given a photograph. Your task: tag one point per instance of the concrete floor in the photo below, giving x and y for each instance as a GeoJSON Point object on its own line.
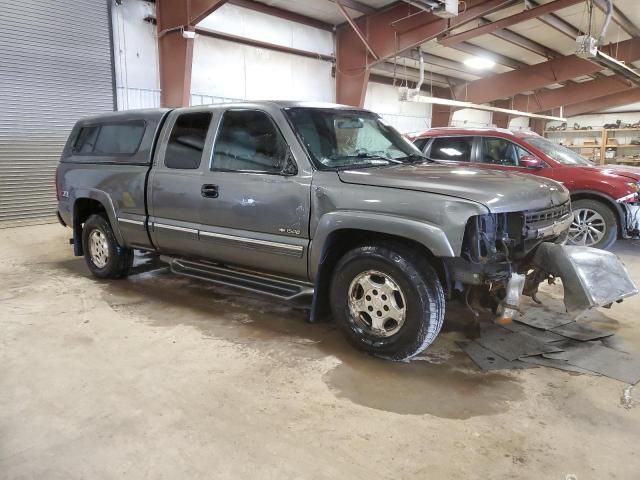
{"type": "Point", "coordinates": [160, 377]}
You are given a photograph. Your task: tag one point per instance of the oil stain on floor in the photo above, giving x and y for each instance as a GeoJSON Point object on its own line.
{"type": "Point", "coordinates": [421, 388]}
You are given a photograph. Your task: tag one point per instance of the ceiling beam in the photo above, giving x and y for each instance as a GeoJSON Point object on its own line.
{"type": "Point", "coordinates": [548, 99]}
{"type": "Point", "coordinates": [620, 18]}
{"type": "Point", "coordinates": [431, 59]}
{"type": "Point", "coordinates": [503, 60]}
{"type": "Point", "coordinates": [555, 22]}
{"type": "Point", "coordinates": [603, 103]}
{"type": "Point", "coordinates": [357, 6]}
{"type": "Point", "coordinates": [281, 13]}
{"type": "Point", "coordinates": [521, 41]}
{"type": "Point", "coordinates": [533, 77]}
{"type": "Point", "coordinates": [402, 72]}
{"type": "Point", "coordinates": [491, 27]}
{"type": "Point", "coordinates": [381, 30]}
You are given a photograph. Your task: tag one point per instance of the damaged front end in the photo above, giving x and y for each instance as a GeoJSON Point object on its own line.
{"type": "Point", "coordinates": [508, 255]}
{"type": "Point", "coordinates": [590, 277]}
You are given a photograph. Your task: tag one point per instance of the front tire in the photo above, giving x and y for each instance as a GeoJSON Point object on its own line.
{"type": "Point", "coordinates": [594, 225]}
{"type": "Point", "coordinates": [387, 300]}
{"type": "Point", "coordinates": [102, 253]}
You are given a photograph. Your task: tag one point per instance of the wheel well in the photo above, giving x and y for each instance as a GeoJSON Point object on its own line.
{"type": "Point", "coordinates": [83, 208]}
{"type": "Point", "coordinates": [340, 242]}
{"type": "Point", "coordinates": [605, 201]}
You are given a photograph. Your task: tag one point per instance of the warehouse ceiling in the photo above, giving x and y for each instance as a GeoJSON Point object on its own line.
{"type": "Point", "coordinates": [516, 45]}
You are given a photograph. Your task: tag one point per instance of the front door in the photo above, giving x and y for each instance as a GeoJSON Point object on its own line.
{"type": "Point", "coordinates": [256, 205]}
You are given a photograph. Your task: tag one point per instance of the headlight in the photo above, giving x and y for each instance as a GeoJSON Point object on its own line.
{"type": "Point", "coordinates": [634, 186]}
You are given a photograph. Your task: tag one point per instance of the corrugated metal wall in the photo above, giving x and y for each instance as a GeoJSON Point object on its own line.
{"type": "Point", "coordinates": [55, 67]}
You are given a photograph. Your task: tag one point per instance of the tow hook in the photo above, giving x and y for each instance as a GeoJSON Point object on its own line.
{"type": "Point", "coordinates": [511, 303]}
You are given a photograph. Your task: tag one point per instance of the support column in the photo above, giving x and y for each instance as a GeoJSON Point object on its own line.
{"type": "Point", "coordinates": [499, 119]}
{"type": "Point", "coordinates": [537, 125]}
{"type": "Point", "coordinates": [441, 115]}
{"type": "Point", "coordinates": [176, 58]}
{"type": "Point", "coordinates": [176, 52]}
{"type": "Point", "coordinates": [352, 74]}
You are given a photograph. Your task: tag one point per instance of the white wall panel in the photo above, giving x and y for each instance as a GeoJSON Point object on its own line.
{"type": "Point", "coordinates": [227, 69]}
{"type": "Point", "coordinates": [405, 116]}
{"type": "Point", "coordinates": [135, 55]}
{"type": "Point", "coordinates": [468, 117]}
{"type": "Point", "coordinates": [266, 28]}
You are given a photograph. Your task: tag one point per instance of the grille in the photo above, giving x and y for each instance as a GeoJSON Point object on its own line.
{"type": "Point", "coordinates": [547, 216]}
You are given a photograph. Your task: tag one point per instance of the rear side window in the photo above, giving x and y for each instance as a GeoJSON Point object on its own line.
{"type": "Point", "coordinates": [110, 139]}
{"type": "Point", "coordinates": [451, 148]}
{"type": "Point", "coordinates": [187, 139]}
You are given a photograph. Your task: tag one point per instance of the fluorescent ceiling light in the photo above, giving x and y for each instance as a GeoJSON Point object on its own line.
{"type": "Point", "coordinates": [479, 63]}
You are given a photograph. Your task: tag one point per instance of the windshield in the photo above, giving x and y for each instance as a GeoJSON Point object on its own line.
{"type": "Point", "coordinates": [557, 152]}
{"type": "Point", "coordinates": [346, 139]}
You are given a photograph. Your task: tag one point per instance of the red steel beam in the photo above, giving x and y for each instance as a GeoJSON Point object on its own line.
{"type": "Point", "coordinates": [176, 52]}
{"type": "Point", "coordinates": [356, 29]}
{"type": "Point", "coordinates": [603, 103]}
{"type": "Point", "coordinates": [387, 38]}
{"type": "Point", "coordinates": [575, 93]}
{"type": "Point", "coordinates": [280, 13]}
{"type": "Point", "coordinates": [508, 21]}
{"type": "Point", "coordinates": [533, 77]}
{"type": "Point", "coordinates": [266, 45]}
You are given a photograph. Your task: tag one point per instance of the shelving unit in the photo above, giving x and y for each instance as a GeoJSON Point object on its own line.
{"type": "Point", "coordinates": [605, 139]}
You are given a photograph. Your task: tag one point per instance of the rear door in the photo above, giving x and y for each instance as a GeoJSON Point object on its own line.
{"type": "Point", "coordinates": [176, 180]}
{"type": "Point", "coordinates": [452, 150]}
{"type": "Point", "coordinates": [256, 206]}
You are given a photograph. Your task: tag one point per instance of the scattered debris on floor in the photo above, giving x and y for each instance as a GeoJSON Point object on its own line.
{"type": "Point", "coordinates": [627, 400]}
{"type": "Point", "coordinates": [555, 341]}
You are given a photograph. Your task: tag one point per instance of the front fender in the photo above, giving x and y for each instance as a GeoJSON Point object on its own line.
{"type": "Point", "coordinates": [429, 235]}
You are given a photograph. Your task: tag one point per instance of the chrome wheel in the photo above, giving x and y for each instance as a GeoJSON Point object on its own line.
{"type": "Point", "coordinates": [588, 227]}
{"type": "Point", "coordinates": [98, 248]}
{"type": "Point", "coordinates": [377, 304]}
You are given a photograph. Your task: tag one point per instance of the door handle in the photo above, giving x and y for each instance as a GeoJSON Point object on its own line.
{"type": "Point", "coordinates": [209, 191]}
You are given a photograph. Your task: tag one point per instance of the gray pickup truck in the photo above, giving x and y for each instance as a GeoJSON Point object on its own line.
{"type": "Point", "coordinates": [325, 205]}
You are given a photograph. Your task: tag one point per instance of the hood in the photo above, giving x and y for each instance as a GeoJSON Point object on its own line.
{"type": "Point", "coordinates": [497, 190]}
{"type": "Point", "coordinates": [622, 170]}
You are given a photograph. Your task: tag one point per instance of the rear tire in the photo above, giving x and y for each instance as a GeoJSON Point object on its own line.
{"type": "Point", "coordinates": [594, 225]}
{"type": "Point", "coordinates": [102, 253]}
{"type": "Point", "coordinates": [387, 300]}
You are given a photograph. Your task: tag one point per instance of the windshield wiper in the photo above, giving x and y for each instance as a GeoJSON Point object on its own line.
{"type": "Point", "coordinates": [416, 158]}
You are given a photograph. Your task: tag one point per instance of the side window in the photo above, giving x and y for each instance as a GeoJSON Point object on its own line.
{"type": "Point", "coordinates": [187, 139]}
{"type": "Point", "coordinates": [420, 143]}
{"type": "Point", "coordinates": [86, 140]}
{"type": "Point", "coordinates": [119, 139]}
{"type": "Point", "coordinates": [110, 139]}
{"type": "Point", "coordinates": [249, 141]}
{"type": "Point", "coordinates": [451, 148]}
{"type": "Point", "coordinates": [500, 152]}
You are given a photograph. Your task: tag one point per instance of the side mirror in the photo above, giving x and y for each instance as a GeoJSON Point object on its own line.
{"type": "Point", "coordinates": [529, 161]}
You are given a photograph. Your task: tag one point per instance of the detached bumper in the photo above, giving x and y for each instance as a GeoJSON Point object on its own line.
{"type": "Point", "coordinates": [590, 277]}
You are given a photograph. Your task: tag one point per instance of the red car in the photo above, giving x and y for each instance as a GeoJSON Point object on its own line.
{"type": "Point", "coordinates": [605, 199]}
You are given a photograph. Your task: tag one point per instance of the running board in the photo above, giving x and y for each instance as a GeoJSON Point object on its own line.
{"type": "Point", "coordinates": [265, 284]}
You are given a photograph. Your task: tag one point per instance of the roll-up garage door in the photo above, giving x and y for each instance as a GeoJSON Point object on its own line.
{"type": "Point", "coordinates": [55, 67]}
